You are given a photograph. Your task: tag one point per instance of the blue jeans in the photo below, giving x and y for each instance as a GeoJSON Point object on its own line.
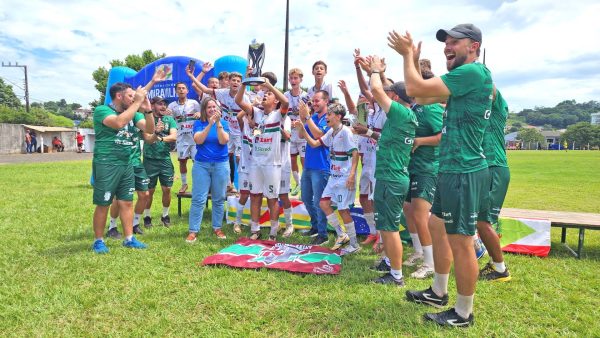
{"type": "Point", "coordinates": [213, 177]}
{"type": "Point", "coordinates": [313, 184]}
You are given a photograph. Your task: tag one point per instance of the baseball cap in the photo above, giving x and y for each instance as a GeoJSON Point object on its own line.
{"type": "Point", "coordinates": [464, 30]}
{"type": "Point", "coordinates": [400, 89]}
{"type": "Point", "coordinates": [158, 99]}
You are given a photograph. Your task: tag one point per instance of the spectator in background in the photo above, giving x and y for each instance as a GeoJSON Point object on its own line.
{"type": "Point", "coordinates": [79, 138]}
{"type": "Point", "coordinates": [33, 141]}
{"type": "Point", "coordinates": [211, 168]}
{"type": "Point", "coordinates": [28, 142]}
{"type": "Point", "coordinates": [57, 144]}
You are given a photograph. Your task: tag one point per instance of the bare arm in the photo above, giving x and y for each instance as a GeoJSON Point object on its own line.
{"type": "Point", "coordinates": [360, 62]}
{"type": "Point", "coordinates": [433, 140]}
{"type": "Point", "coordinates": [351, 182]}
{"type": "Point", "coordinates": [279, 95]}
{"type": "Point", "coordinates": [239, 100]}
{"type": "Point", "coordinates": [121, 120]}
{"type": "Point", "coordinates": [377, 87]}
{"type": "Point", "coordinates": [301, 131]}
{"type": "Point", "coordinates": [205, 68]}
{"type": "Point", "coordinates": [349, 102]}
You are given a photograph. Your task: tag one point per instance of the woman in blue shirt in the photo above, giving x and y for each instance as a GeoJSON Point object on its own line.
{"type": "Point", "coordinates": [211, 168]}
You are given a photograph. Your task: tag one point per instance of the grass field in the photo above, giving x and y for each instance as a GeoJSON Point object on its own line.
{"type": "Point", "coordinates": [51, 284]}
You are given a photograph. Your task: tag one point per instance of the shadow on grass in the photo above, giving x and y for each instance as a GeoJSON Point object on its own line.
{"type": "Point", "coordinates": [68, 249]}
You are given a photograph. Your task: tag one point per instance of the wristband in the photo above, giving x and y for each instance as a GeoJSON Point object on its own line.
{"type": "Point", "coordinates": [375, 72]}
{"type": "Point", "coordinates": [369, 132]}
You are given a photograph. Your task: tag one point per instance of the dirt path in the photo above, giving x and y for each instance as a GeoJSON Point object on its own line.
{"type": "Point", "coordinates": [39, 158]}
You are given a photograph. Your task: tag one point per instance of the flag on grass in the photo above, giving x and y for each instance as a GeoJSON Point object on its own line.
{"type": "Point", "coordinates": [254, 254]}
{"type": "Point", "coordinates": [525, 236]}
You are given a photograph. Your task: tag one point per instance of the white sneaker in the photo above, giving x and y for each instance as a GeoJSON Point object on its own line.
{"type": "Point", "coordinates": [349, 249]}
{"type": "Point", "coordinates": [413, 259]}
{"type": "Point", "coordinates": [340, 241]}
{"type": "Point", "coordinates": [289, 230]}
{"type": "Point", "coordinates": [424, 271]}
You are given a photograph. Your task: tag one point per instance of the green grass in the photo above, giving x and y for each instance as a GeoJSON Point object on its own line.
{"type": "Point", "coordinates": [51, 284]}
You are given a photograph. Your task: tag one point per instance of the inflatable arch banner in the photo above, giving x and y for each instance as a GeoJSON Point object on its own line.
{"type": "Point", "coordinates": [174, 67]}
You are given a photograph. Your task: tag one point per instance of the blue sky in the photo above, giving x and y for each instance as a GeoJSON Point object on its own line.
{"type": "Point", "coordinates": [539, 52]}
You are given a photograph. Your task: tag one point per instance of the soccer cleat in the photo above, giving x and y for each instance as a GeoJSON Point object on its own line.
{"type": "Point", "coordinates": [295, 190]}
{"type": "Point", "coordinates": [289, 230]}
{"type": "Point", "coordinates": [340, 242]}
{"type": "Point", "coordinates": [427, 297]}
{"type": "Point", "coordinates": [424, 271]}
{"type": "Point", "coordinates": [166, 221]}
{"type": "Point", "coordinates": [369, 240]}
{"type": "Point", "coordinates": [312, 233]}
{"type": "Point", "coordinates": [137, 230]}
{"type": "Point", "coordinates": [191, 238]}
{"type": "Point", "coordinates": [148, 222]}
{"type": "Point", "coordinates": [99, 247]}
{"type": "Point", "coordinates": [489, 273]}
{"type": "Point", "coordinates": [480, 249]}
{"type": "Point", "coordinates": [134, 244]}
{"type": "Point", "coordinates": [413, 259]}
{"type": "Point", "coordinates": [381, 267]}
{"type": "Point", "coordinates": [113, 233]}
{"type": "Point", "coordinates": [320, 240]}
{"type": "Point", "coordinates": [220, 234]}
{"type": "Point", "coordinates": [255, 235]}
{"type": "Point", "coordinates": [349, 249]}
{"type": "Point", "coordinates": [449, 318]}
{"type": "Point", "coordinates": [389, 279]}
{"type": "Point", "coordinates": [237, 228]}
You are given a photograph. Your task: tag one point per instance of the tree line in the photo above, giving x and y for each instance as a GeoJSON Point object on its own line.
{"type": "Point", "coordinates": [561, 116]}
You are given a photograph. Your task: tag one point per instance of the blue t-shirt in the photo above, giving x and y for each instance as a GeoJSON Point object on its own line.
{"type": "Point", "coordinates": [211, 150]}
{"type": "Point", "coordinates": [317, 158]}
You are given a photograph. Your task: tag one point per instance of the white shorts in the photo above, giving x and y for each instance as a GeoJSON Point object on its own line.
{"type": "Point", "coordinates": [244, 182]}
{"type": "Point", "coordinates": [286, 181]}
{"type": "Point", "coordinates": [339, 195]}
{"type": "Point", "coordinates": [298, 147]}
{"type": "Point", "coordinates": [186, 150]}
{"type": "Point", "coordinates": [234, 145]}
{"type": "Point", "coordinates": [265, 180]}
{"type": "Point", "coordinates": [367, 183]}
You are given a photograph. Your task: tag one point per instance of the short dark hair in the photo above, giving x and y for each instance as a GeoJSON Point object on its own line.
{"type": "Point", "coordinates": [223, 75]}
{"type": "Point", "coordinates": [117, 88]}
{"type": "Point", "coordinates": [324, 93]}
{"type": "Point", "coordinates": [180, 82]}
{"type": "Point", "coordinates": [319, 63]}
{"type": "Point", "coordinates": [235, 74]}
{"type": "Point", "coordinates": [271, 76]}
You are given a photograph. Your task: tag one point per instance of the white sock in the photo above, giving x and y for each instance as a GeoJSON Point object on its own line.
{"type": "Point", "coordinates": [254, 227]}
{"type": "Point", "coordinates": [440, 283]}
{"type": "Point", "coordinates": [147, 212]}
{"type": "Point", "coordinates": [370, 219]}
{"type": "Point", "coordinates": [100, 239]}
{"type": "Point", "coordinates": [416, 242]}
{"type": "Point", "coordinates": [136, 219]}
{"type": "Point", "coordinates": [387, 260]}
{"type": "Point", "coordinates": [165, 211]}
{"type": "Point", "coordinates": [335, 223]}
{"type": "Point", "coordinates": [128, 238]}
{"type": "Point", "coordinates": [397, 274]}
{"type": "Point", "coordinates": [351, 231]}
{"type": "Point", "coordinates": [239, 213]}
{"type": "Point", "coordinates": [113, 223]}
{"type": "Point", "coordinates": [274, 228]}
{"type": "Point", "coordinates": [296, 177]}
{"type": "Point", "coordinates": [428, 255]}
{"type": "Point", "coordinates": [287, 214]}
{"type": "Point", "coordinates": [500, 267]}
{"type": "Point", "coordinates": [183, 178]}
{"type": "Point", "coordinates": [464, 305]}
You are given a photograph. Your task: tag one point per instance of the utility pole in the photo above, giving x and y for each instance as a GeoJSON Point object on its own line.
{"type": "Point", "coordinates": [285, 53]}
{"type": "Point", "coordinates": [26, 81]}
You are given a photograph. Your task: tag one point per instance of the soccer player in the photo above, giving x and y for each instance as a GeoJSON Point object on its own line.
{"type": "Point", "coordinates": [112, 167]}
{"type": "Point", "coordinates": [463, 170]}
{"type": "Point", "coordinates": [297, 144]}
{"type": "Point", "coordinates": [185, 111]}
{"type": "Point", "coordinates": [495, 155]}
{"type": "Point", "coordinates": [265, 170]}
{"type": "Point", "coordinates": [286, 168]}
{"type": "Point", "coordinates": [246, 125]}
{"type": "Point", "coordinates": [341, 186]}
{"type": "Point", "coordinates": [319, 70]}
{"type": "Point", "coordinates": [157, 160]}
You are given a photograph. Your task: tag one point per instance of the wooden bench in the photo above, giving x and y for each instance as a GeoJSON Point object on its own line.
{"type": "Point", "coordinates": [560, 219]}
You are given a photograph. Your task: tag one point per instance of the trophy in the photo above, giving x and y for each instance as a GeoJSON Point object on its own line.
{"type": "Point", "coordinates": [256, 57]}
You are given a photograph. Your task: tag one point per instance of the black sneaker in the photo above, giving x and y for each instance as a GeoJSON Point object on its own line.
{"type": "Point", "coordinates": [148, 222]}
{"type": "Point", "coordinates": [166, 221]}
{"type": "Point", "coordinates": [389, 279]}
{"type": "Point", "coordinates": [113, 233]}
{"type": "Point", "coordinates": [489, 273]}
{"type": "Point", "coordinates": [311, 233]}
{"type": "Point", "coordinates": [382, 267]}
{"type": "Point", "coordinates": [427, 297]}
{"type": "Point", "coordinates": [137, 230]}
{"type": "Point", "coordinates": [319, 240]}
{"type": "Point", "coordinates": [449, 318]}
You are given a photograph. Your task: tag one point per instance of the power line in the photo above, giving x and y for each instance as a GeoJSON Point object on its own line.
{"type": "Point", "coordinates": [9, 81]}
{"type": "Point", "coordinates": [26, 82]}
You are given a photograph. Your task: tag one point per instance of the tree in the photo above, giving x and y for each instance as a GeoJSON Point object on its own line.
{"type": "Point", "coordinates": [582, 133]}
{"type": "Point", "coordinates": [531, 135]}
{"type": "Point", "coordinates": [135, 62]}
{"type": "Point", "coordinates": [7, 96]}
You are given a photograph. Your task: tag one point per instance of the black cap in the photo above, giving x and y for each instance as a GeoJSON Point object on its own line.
{"type": "Point", "coordinates": [400, 89]}
{"type": "Point", "coordinates": [462, 31]}
{"type": "Point", "coordinates": [158, 99]}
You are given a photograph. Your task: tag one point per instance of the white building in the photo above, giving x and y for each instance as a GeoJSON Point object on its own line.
{"type": "Point", "coordinates": [595, 119]}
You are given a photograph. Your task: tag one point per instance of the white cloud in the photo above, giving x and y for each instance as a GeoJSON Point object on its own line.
{"type": "Point", "coordinates": [532, 47]}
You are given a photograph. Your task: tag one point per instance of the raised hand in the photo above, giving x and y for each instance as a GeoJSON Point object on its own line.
{"type": "Point", "coordinates": [403, 44]}
{"type": "Point", "coordinates": [376, 64]}
{"type": "Point", "coordinates": [342, 86]}
{"type": "Point", "coordinates": [160, 126]}
{"type": "Point", "coordinates": [140, 95]}
{"type": "Point", "coordinates": [146, 106]}
{"type": "Point", "coordinates": [303, 110]}
{"type": "Point", "coordinates": [417, 52]}
{"type": "Point", "coordinates": [206, 67]}
{"type": "Point", "coordinates": [159, 75]}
